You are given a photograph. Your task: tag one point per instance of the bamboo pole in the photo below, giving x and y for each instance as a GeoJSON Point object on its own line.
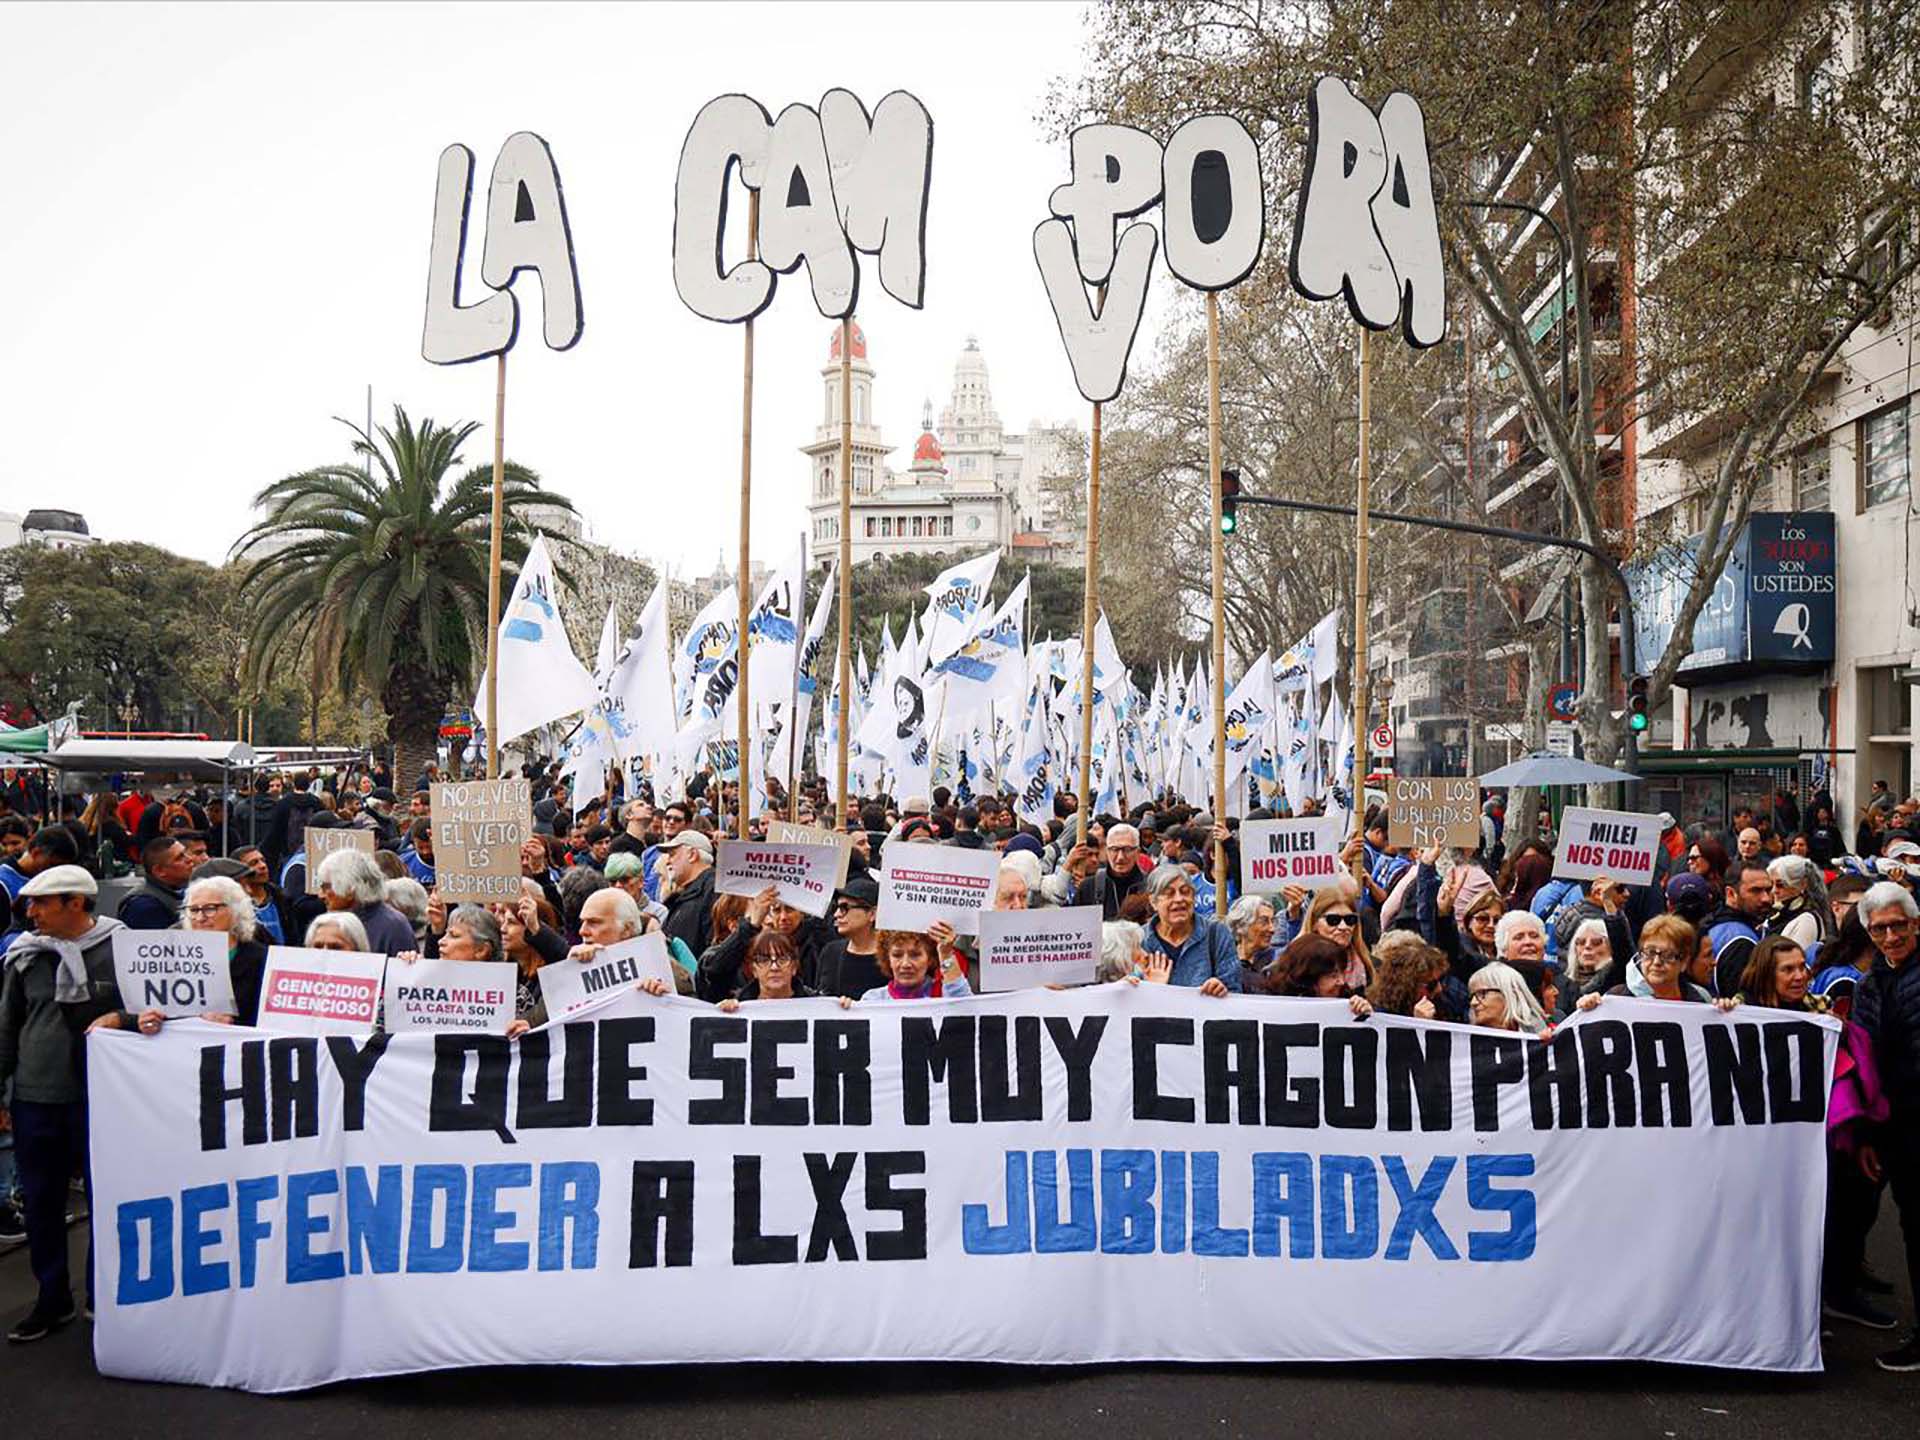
{"type": "Point", "coordinates": [1089, 619]}
{"type": "Point", "coordinates": [1360, 589]}
{"type": "Point", "coordinates": [493, 566]}
{"type": "Point", "coordinates": [1219, 605]}
{"type": "Point", "coordinates": [801, 615]}
{"type": "Point", "coordinates": [741, 649]}
{"type": "Point", "coordinates": [843, 660]}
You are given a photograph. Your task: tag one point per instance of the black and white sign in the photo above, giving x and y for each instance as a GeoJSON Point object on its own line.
{"type": "Point", "coordinates": [177, 972]}
{"type": "Point", "coordinates": [1026, 949]}
{"type": "Point", "coordinates": [926, 883]}
{"type": "Point", "coordinates": [804, 875]}
{"type": "Point", "coordinates": [1275, 854]}
{"type": "Point", "coordinates": [570, 986]}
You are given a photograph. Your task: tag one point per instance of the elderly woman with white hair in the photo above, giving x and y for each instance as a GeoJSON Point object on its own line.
{"type": "Point", "coordinates": [350, 882]}
{"type": "Point", "coordinates": [410, 898]}
{"type": "Point", "coordinates": [1589, 963]}
{"type": "Point", "coordinates": [1800, 909]}
{"type": "Point", "coordinates": [338, 930]}
{"type": "Point", "coordinates": [1498, 999]}
{"type": "Point", "coordinates": [218, 904]}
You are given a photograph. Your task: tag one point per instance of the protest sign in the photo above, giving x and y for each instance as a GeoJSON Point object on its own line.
{"type": "Point", "coordinates": [177, 972]}
{"type": "Point", "coordinates": [1439, 811]}
{"type": "Point", "coordinates": [1277, 853]}
{"type": "Point", "coordinates": [471, 996]}
{"type": "Point", "coordinates": [802, 874]}
{"type": "Point", "coordinates": [925, 883]}
{"type": "Point", "coordinates": [322, 843]}
{"type": "Point", "coordinates": [1618, 843]}
{"type": "Point", "coordinates": [569, 986]}
{"type": "Point", "coordinates": [1400, 1188]}
{"type": "Point", "coordinates": [478, 829]}
{"type": "Point", "coordinates": [320, 992]}
{"type": "Point", "coordinates": [1025, 949]}
{"type": "Point", "coordinates": [786, 831]}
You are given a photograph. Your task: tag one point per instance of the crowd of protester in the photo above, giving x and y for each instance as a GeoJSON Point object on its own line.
{"type": "Point", "coordinates": [1774, 909]}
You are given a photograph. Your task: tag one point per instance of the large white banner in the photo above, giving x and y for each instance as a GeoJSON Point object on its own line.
{"type": "Point", "coordinates": [1155, 1175]}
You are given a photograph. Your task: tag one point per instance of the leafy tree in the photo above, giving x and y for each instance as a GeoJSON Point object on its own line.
{"type": "Point", "coordinates": [1754, 192]}
{"type": "Point", "coordinates": [384, 571]}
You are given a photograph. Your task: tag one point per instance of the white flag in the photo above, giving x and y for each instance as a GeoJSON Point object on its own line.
{"type": "Point", "coordinates": [1249, 712]}
{"type": "Point", "coordinates": [640, 690]}
{"type": "Point", "coordinates": [773, 631]}
{"type": "Point", "coordinates": [990, 666]}
{"type": "Point", "coordinates": [540, 677]}
{"type": "Point", "coordinates": [957, 596]}
{"type": "Point", "coordinates": [609, 651]}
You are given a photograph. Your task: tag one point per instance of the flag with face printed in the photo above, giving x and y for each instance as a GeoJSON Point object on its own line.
{"type": "Point", "coordinates": [990, 665]}
{"type": "Point", "coordinates": [708, 644]}
{"type": "Point", "coordinates": [541, 679]}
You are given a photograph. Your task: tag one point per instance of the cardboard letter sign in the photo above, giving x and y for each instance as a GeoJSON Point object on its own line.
{"type": "Point", "coordinates": [1025, 949]}
{"type": "Point", "coordinates": [1440, 810]}
{"type": "Point", "coordinates": [1607, 842]}
{"type": "Point", "coordinates": [177, 972]}
{"type": "Point", "coordinates": [322, 843]}
{"type": "Point", "coordinates": [925, 883]}
{"type": "Point", "coordinates": [1277, 853]}
{"type": "Point", "coordinates": [570, 986]}
{"type": "Point", "coordinates": [803, 874]}
{"type": "Point", "coordinates": [320, 992]}
{"type": "Point", "coordinates": [788, 831]}
{"type": "Point", "coordinates": [474, 997]}
{"type": "Point", "coordinates": [478, 829]}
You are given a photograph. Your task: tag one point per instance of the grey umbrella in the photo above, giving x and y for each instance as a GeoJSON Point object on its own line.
{"type": "Point", "coordinates": [1542, 769]}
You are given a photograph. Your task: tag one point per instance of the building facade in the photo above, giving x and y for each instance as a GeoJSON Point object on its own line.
{"type": "Point", "coordinates": [969, 484]}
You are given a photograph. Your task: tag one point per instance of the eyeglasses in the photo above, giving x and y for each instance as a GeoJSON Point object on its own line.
{"type": "Point", "coordinates": [844, 906]}
{"type": "Point", "coordinates": [1341, 919]}
{"type": "Point", "coordinates": [1693, 855]}
{"type": "Point", "coordinates": [1658, 957]}
{"type": "Point", "coordinates": [202, 912]}
{"type": "Point", "coordinates": [777, 962]}
{"type": "Point", "coordinates": [1890, 927]}
{"type": "Point", "coordinates": [1474, 997]}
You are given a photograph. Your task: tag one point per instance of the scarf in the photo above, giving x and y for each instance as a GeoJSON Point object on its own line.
{"type": "Point", "coordinates": [71, 984]}
{"type": "Point", "coordinates": [928, 989]}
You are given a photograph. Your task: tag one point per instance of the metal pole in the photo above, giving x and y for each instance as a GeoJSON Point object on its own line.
{"type": "Point", "coordinates": [1362, 498]}
{"type": "Point", "coordinates": [493, 567]}
{"type": "Point", "coordinates": [743, 701]}
{"type": "Point", "coordinates": [842, 665]}
{"type": "Point", "coordinates": [1218, 550]}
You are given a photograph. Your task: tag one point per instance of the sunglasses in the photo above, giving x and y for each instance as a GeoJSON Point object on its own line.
{"type": "Point", "coordinates": [1341, 919]}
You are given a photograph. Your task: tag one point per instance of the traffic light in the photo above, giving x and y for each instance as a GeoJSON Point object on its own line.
{"type": "Point", "coordinates": [1229, 501]}
{"type": "Point", "coordinates": [1637, 718]}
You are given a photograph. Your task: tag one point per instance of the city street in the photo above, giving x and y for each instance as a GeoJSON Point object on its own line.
{"type": "Point", "coordinates": [51, 1387]}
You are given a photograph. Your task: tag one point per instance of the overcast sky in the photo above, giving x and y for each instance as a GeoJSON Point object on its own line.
{"type": "Point", "coordinates": [218, 225]}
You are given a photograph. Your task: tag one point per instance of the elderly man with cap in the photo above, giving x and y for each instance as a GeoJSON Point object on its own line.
{"type": "Point", "coordinates": [688, 860]}
{"type": "Point", "coordinates": [56, 983]}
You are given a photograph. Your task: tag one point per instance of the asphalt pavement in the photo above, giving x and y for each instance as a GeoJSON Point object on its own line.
{"type": "Point", "coordinates": [51, 1388]}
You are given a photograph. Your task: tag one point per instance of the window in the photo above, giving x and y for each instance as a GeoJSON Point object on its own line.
{"type": "Point", "coordinates": [1889, 701]}
{"type": "Point", "coordinates": [1884, 465]}
{"type": "Point", "coordinates": [1819, 79]}
{"type": "Point", "coordinates": [946, 524]}
{"type": "Point", "coordinates": [872, 527]}
{"type": "Point", "coordinates": [1813, 476]}
{"type": "Point", "coordinates": [860, 403]}
{"type": "Point", "coordinates": [886, 527]}
{"type": "Point", "coordinates": [1882, 261]}
{"type": "Point", "coordinates": [919, 528]}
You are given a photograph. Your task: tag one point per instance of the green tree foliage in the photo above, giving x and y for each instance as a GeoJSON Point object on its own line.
{"type": "Point", "coordinates": [384, 571]}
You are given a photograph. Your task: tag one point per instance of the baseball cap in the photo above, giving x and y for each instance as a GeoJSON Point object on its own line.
{"type": "Point", "coordinates": [690, 840]}
{"type": "Point", "coordinates": [1689, 887]}
{"type": "Point", "coordinates": [221, 868]}
{"type": "Point", "coordinates": [1902, 850]}
{"type": "Point", "coordinates": [60, 880]}
{"type": "Point", "coordinates": [1666, 822]}
{"type": "Point", "coordinates": [862, 890]}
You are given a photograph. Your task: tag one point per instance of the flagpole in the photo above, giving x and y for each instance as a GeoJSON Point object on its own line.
{"type": "Point", "coordinates": [841, 661]}
{"type": "Point", "coordinates": [743, 700]}
{"type": "Point", "coordinates": [493, 566]}
{"type": "Point", "coordinates": [1360, 596]}
{"type": "Point", "coordinates": [1219, 605]}
{"type": "Point", "coordinates": [793, 700]}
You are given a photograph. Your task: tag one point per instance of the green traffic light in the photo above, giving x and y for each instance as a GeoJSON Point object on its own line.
{"type": "Point", "coordinates": [1637, 723]}
{"type": "Point", "coordinates": [1229, 522]}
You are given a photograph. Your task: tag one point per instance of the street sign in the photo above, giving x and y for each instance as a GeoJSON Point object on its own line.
{"type": "Point", "coordinates": [1560, 739]}
{"type": "Point", "coordinates": [1382, 739]}
{"type": "Point", "coordinates": [1561, 698]}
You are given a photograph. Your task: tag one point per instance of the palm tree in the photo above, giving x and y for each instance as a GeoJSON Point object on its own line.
{"type": "Point", "coordinates": [383, 571]}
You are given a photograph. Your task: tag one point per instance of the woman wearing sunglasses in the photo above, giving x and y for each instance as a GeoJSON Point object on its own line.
{"type": "Point", "coordinates": [1332, 915]}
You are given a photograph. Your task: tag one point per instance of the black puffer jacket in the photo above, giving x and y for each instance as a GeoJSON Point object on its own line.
{"type": "Point", "coordinates": [1887, 1006]}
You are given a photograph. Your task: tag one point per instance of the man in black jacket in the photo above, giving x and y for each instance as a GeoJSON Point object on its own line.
{"type": "Point", "coordinates": [156, 904]}
{"type": "Point", "coordinates": [286, 831]}
{"type": "Point", "coordinates": [688, 859]}
{"type": "Point", "coordinates": [1887, 1006]}
{"type": "Point", "coordinates": [1110, 884]}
